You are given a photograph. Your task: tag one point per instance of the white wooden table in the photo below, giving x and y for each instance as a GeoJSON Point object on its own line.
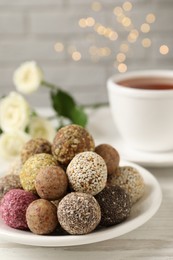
{"type": "Point", "coordinates": [153, 240]}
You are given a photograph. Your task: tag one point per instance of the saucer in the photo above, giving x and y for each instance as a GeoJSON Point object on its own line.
{"type": "Point", "coordinates": [103, 130]}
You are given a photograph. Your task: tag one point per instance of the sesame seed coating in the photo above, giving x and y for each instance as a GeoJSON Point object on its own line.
{"type": "Point", "coordinates": [9, 182]}
{"type": "Point", "coordinates": [130, 180]}
{"type": "Point", "coordinates": [41, 216]}
{"type": "Point", "coordinates": [51, 183]}
{"type": "Point", "coordinates": [13, 208]}
{"type": "Point", "coordinates": [115, 205]}
{"type": "Point", "coordinates": [31, 168]}
{"type": "Point", "coordinates": [69, 141]}
{"type": "Point", "coordinates": [79, 213]}
{"type": "Point", "coordinates": [35, 146]}
{"type": "Point", "coordinates": [110, 155]}
{"type": "Point", "coordinates": [87, 172]}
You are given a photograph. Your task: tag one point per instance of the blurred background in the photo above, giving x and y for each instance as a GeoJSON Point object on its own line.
{"type": "Point", "coordinates": [79, 44]}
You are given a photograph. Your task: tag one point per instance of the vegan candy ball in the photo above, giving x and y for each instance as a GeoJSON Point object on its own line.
{"type": "Point", "coordinates": [31, 168]}
{"type": "Point", "coordinates": [79, 213]}
{"type": "Point", "coordinates": [69, 141]}
{"type": "Point", "coordinates": [110, 155]}
{"type": "Point", "coordinates": [87, 172]}
{"type": "Point", "coordinates": [41, 217]}
{"type": "Point", "coordinates": [115, 205]}
{"type": "Point", "coordinates": [51, 183]}
{"type": "Point", "coordinates": [13, 208]}
{"type": "Point", "coordinates": [35, 146]}
{"type": "Point", "coordinates": [130, 180]}
{"type": "Point", "coordinates": [9, 182]}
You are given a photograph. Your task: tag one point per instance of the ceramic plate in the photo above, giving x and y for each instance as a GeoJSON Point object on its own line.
{"type": "Point", "coordinates": [103, 129]}
{"type": "Point", "coordinates": [141, 212]}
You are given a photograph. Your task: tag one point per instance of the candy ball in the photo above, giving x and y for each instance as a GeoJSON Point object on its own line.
{"type": "Point", "coordinates": [115, 205]}
{"type": "Point", "coordinates": [110, 155]}
{"type": "Point", "coordinates": [9, 182]}
{"type": "Point", "coordinates": [41, 217]}
{"type": "Point", "coordinates": [79, 213]}
{"type": "Point", "coordinates": [35, 146]}
{"type": "Point", "coordinates": [130, 180]}
{"type": "Point", "coordinates": [31, 168]}
{"type": "Point", "coordinates": [13, 208]}
{"type": "Point", "coordinates": [87, 172]}
{"type": "Point", "coordinates": [69, 141]}
{"type": "Point", "coordinates": [51, 183]}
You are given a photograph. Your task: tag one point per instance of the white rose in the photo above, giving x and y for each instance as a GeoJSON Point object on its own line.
{"type": "Point", "coordinates": [14, 112]}
{"type": "Point", "coordinates": [27, 78]}
{"type": "Point", "coordinates": [40, 127]}
{"type": "Point", "coordinates": [12, 143]}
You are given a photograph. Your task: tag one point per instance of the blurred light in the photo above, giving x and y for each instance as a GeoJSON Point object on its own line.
{"type": "Point", "coordinates": [164, 49]}
{"type": "Point", "coordinates": [118, 11]}
{"type": "Point", "coordinates": [76, 56]}
{"type": "Point", "coordinates": [150, 18]}
{"type": "Point", "coordinates": [96, 6]}
{"type": "Point", "coordinates": [82, 23]}
{"type": "Point", "coordinates": [133, 35]}
{"type": "Point", "coordinates": [59, 47]}
{"type": "Point", "coordinates": [122, 67]}
{"type": "Point", "coordinates": [121, 57]}
{"type": "Point", "coordinates": [126, 21]}
{"type": "Point", "coordinates": [93, 50]}
{"type": "Point", "coordinates": [145, 28]}
{"type": "Point", "coordinates": [104, 51]}
{"type": "Point", "coordinates": [146, 42]}
{"type": "Point", "coordinates": [127, 6]}
{"type": "Point", "coordinates": [90, 21]}
{"type": "Point", "coordinates": [124, 47]}
{"type": "Point", "coordinates": [113, 36]}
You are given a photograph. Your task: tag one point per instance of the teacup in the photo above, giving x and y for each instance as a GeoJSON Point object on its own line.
{"type": "Point", "coordinates": [141, 104]}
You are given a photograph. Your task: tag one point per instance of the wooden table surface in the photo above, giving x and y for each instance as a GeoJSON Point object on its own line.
{"type": "Point", "coordinates": [153, 240]}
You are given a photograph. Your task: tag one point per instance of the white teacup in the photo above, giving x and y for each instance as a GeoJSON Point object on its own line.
{"type": "Point", "coordinates": [141, 104]}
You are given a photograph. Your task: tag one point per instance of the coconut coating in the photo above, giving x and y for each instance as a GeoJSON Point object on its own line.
{"type": "Point", "coordinates": [110, 155]}
{"type": "Point", "coordinates": [35, 146]}
{"type": "Point", "coordinates": [9, 182]}
{"type": "Point", "coordinates": [130, 180]}
{"type": "Point", "coordinates": [13, 208]}
{"type": "Point", "coordinates": [87, 172]}
{"type": "Point", "coordinates": [115, 205]}
{"type": "Point", "coordinates": [71, 140]}
{"type": "Point", "coordinates": [41, 216]}
{"type": "Point", "coordinates": [31, 168]}
{"type": "Point", "coordinates": [79, 213]}
{"type": "Point", "coordinates": [51, 183]}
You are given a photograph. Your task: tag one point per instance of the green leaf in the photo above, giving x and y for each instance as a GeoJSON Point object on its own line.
{"type": "Point", "coordinates": [65, 106]}
{"type": "Point", "coordinates": [78, 116]}
{"type": "Point", "coordinates": [1, 131]}
{"type": "Point", "coordinates": [62, 102]}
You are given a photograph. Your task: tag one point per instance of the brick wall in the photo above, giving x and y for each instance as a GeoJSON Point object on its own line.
{"type": "Point", "coordinates": [30, 29]}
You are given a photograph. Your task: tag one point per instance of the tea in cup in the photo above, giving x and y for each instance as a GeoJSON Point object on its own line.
{"type": "Point", "coordinates": [141, 104]}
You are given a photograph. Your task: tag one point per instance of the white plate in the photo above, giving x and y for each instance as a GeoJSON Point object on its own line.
{"type": "Point", "coordinates": [141, 212]}
{"type": "Point", "coordinates": [103, 129]}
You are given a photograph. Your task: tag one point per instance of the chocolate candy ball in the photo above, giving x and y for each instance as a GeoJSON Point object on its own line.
{"type": "Point", "coordinates": [130, 180]}
{"type": "Point", "coordinates": [51, 183]}
{"type": "Point", "coordinates": [31, 168]}
{"type": "Point", "coordinates": [41, 217]}
{"type": "Point", "coordinates": [110, 155]}
{"type": "Point", "coordinates": [35, 146]}
{"type": "Point", "coordinates": [9, 182]}
{"type": "Point", "coordinates": [87, 172]}
{"type": "Point", "coordinates": [115, 205]}
{"type": "Point", "coordinates": [69, 141]}
{"type": "Point", "coordinates": [79, 213]}
{"type": "Point", "coordinates": [13, 208]}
